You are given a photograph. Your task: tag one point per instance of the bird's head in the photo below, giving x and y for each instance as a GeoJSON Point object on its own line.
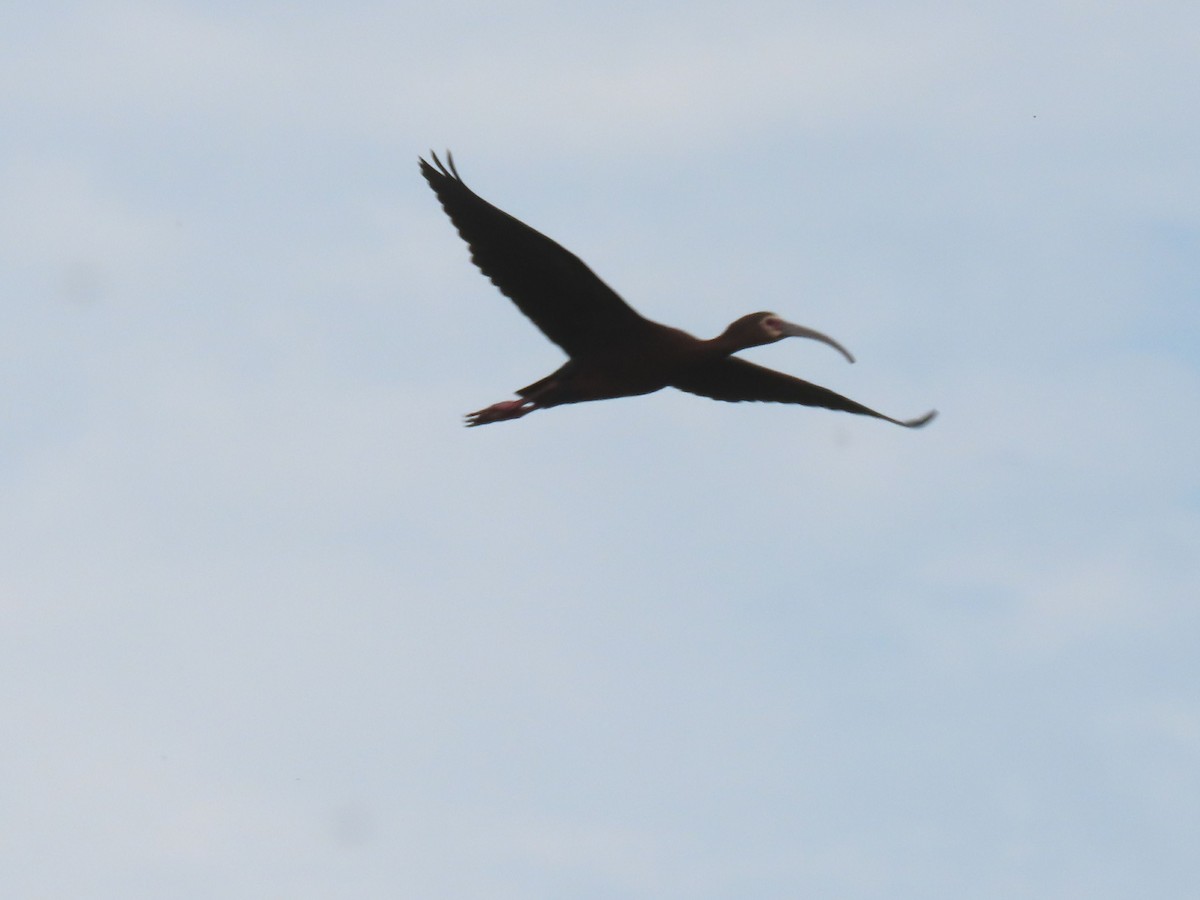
{"type": "Point", "coordinates": [761, 328]}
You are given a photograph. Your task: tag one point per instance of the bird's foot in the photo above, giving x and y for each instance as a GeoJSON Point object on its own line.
{"type": "Point", "coordinates": [498, 412]}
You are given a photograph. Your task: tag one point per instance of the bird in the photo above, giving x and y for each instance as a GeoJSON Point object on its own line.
{"type": "Point", "coordinates": [613, 351]}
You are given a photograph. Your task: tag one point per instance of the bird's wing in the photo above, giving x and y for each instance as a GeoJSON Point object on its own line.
{"type": "Point", "coordinates": [734, 379]}
{"type": "Point", "coordinates": [551, 285]}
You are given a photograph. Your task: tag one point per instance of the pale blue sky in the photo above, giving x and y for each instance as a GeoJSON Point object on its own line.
{"type": "Point", "coordinates": [276, 625]}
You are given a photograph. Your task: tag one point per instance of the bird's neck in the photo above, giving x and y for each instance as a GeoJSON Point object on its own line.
{"type": "Point", "coordinates": [722, 345]}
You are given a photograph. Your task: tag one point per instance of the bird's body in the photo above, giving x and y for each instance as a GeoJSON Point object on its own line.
{"type": "Point", "coordinates": [613, 350]}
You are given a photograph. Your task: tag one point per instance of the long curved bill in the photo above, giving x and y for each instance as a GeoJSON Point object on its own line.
{"type": "Point", "coordinates": [800, 331]}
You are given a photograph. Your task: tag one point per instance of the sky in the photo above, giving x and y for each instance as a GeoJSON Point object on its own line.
{"type": "Point", "coordinates": [274, 624]}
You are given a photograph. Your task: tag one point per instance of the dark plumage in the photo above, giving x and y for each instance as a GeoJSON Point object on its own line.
{"type": "Point", "coordinates": [613, 351]}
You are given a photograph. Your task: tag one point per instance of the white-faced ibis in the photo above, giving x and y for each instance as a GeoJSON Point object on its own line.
{"type": "Point", "coordinates": [614, 351]}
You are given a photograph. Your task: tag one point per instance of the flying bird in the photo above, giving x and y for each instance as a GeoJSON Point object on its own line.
{"type": "Point", "coordinates": [612, 350]}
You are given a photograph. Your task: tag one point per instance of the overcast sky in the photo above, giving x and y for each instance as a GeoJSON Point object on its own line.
{"type": "Point", "coordinates": [274, 624]}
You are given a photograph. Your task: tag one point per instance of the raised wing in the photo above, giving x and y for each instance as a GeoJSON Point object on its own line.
{"type": "Point", "coordinates": [551, 285]}
{"type": "Point", "coordinates": [734, 379]}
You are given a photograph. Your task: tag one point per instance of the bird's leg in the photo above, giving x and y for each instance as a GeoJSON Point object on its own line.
{"type": "Point", "coordinates": [498, 412]}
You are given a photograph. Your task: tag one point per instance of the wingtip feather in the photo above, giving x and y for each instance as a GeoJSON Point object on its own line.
{"type": "Point", "coordinates": [920, 421]}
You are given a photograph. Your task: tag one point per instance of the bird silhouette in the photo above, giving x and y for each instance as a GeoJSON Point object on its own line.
{"type": "Point", "coordinates": [612, 350]}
